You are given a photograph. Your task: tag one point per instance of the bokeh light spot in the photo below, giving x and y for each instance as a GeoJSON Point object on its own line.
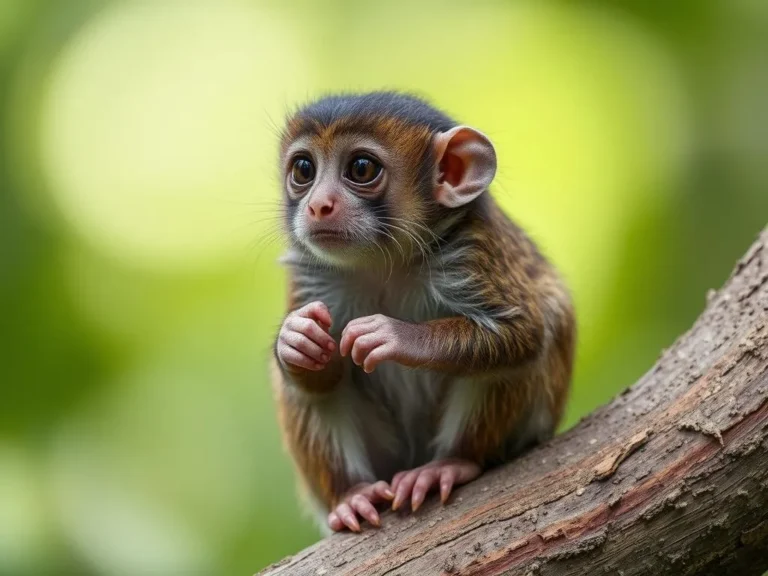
{"type": "Point", "coordinates": [156, 128]}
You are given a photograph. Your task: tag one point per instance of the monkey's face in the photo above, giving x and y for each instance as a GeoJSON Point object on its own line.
{"type": "Point", "coordinates": [369, 189]}
{"type": "Point", "coordinates": [357, 198]}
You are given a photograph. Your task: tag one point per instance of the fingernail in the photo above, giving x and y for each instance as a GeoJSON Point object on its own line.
{"type": "Point", "coordinates": [331, 346]}
{"type": "Point", "coordinates": [325, 357]}
{"type": "Point", "coordinates": [389, 494]}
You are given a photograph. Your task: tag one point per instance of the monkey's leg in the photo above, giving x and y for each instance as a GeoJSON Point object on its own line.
{"type": "Point", "coordinates": [359, 500]}
{"type": "Point", "coordinates": [445, 474]}
{"type": "Point", "coordinates": [484, 423]}
{"type": "Point", "coordinates": [342, 494]}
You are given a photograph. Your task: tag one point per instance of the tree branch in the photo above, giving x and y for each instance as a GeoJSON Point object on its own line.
{"type": "Point", "coordinates": [670, 478]}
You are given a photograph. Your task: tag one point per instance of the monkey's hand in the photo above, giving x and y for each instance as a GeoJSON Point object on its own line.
{"type": "Point", "coordinates": [304, 342]}
{"type": "Point", "coordinates": [373, 339]}
{"type": "Point", "coordinates": [360, 500]}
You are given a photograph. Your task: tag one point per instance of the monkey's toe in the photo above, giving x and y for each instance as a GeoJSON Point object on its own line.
{"type": "Point", "coordinates": [417, 483]}
{"type": "Point", "coordinates": [360, 501]}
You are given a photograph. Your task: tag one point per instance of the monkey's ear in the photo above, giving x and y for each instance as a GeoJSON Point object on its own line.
{"type": "Point", "coordinates": [466, 165]}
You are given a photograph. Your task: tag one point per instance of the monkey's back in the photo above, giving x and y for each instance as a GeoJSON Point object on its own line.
{"type": "Point", "coordinates": [510, 278]}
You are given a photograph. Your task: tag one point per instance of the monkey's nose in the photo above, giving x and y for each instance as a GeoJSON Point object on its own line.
{"type": "Point", "coordinates": [321, 208]}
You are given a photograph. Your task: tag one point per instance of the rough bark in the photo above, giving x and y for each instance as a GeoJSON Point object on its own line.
{"type": "Point", "coordinates": [670, 478]}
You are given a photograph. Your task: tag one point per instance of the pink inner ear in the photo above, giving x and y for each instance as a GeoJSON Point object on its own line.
{"type": "Point", "coordinates": [467, 165]}
{"type": "Point", "coordinates": [452, 169]}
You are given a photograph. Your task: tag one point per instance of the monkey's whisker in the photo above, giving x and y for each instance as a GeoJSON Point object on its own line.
{"type": "Point", "coordinates": [389, 235]}
{"type": "Point", "coordinates": [406, 223]}
{"type": "Point", "coordinates": [437, 239]}
{"type": "Point", "coordinates": [425, 250]}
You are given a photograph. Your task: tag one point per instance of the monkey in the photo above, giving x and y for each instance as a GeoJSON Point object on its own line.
{"type": "Point", "coordinates": [427, 338]}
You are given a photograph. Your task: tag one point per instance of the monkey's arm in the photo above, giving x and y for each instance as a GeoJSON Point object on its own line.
{"type": "Point", "coordinates": [464, 344]}
{"type": "Point", "coordinates": [503, 295]}
{"type": "Point", "coordinates": [458, 344]}
{"type": "Point", "coordinates": [310, 381]}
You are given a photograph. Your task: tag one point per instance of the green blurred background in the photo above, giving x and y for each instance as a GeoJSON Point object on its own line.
{"type": "Point", "coordinates": [138, 231]}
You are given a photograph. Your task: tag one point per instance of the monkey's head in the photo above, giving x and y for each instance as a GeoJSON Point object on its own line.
{"type": "Point", "coordinates": [378, 173]}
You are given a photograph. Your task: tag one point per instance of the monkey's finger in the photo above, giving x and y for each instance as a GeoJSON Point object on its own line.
{"type": "Point", "coordinates": [334, 522]}
{"type": "Point", "coordinates": [348, 338]}
{"type": "Point", "coordinates": [312, 330]}
{"type": "Point", "coordinates": [299, 342]}
{"type": "Point", "coordinates": [363, 346]}
{"type": "Point", "coordinates": [377, 356]}
{"type": "Point", "coordinates": [362, 506]}
{"type": "Point", "coordinates": [363, 320]}
{"type": "Point", "coordinates": [447, 479]}
{"type": "Point", "coordinates": [424, 483]}
{"type": "Point", "coordinates": [316, 311]}
{"type": "Point", "coordinates": [348, 517]}
{"type": "Point", "coordinates": [293, 357]}
{"type": "Point", "coordinates": [404, 488]}
{"type": "Point", "coordinates": [356, 328]}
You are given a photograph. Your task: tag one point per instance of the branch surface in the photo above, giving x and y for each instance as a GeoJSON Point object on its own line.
{"type": "Point", "coordinates": [670, 478]}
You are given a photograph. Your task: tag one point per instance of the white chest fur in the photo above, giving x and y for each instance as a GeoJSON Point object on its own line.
{"type": "Point", "coordinates": [386, 421]}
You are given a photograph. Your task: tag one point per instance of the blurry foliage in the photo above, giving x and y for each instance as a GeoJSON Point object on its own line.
{"type": "Point", "coordinates": [139, 230]}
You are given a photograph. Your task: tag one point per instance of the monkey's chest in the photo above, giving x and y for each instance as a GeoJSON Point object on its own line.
{"type": "Point", "coordinates": [401, 405]}
{"type": "Point", "coordinates": [406, 297]}
{"type": "Point", "coordinates": [398, 415]}
{"type": "Point", "coordinates": [395, 411]}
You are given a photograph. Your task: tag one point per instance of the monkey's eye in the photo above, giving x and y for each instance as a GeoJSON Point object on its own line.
{"type": "Point", "coordinates": [302, 171]}
{"type": "Point", "coordinates": [363, 170]}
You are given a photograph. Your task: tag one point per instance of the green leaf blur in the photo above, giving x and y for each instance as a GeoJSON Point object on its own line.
{"type": "Point", "coordinates": [139, 230]}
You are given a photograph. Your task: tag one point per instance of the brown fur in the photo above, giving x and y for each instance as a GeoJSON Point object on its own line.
{"type": "Point", "coordinates": [511, 273]}
{"type": "Point", "coordinates": [312, 454]}
{"type": "Point", "coordinates": [523, 363]}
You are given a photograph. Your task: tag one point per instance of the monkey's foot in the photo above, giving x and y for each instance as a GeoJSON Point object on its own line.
{"type": "Point", "coordinates": [360, 500]}
{"type": "Point", "coordinates": [418, 482]}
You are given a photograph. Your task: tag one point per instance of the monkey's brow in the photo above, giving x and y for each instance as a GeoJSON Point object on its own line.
{"type": "Point", "coordinates": [328, 137]}
{"type": "Point", "coordinates": [334, 129]}
{"type": "Point", "coordinates": [354, 124]}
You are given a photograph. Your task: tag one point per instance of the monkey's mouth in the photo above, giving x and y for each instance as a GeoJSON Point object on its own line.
{"type": "Point", "coordinates": [328, 238]}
